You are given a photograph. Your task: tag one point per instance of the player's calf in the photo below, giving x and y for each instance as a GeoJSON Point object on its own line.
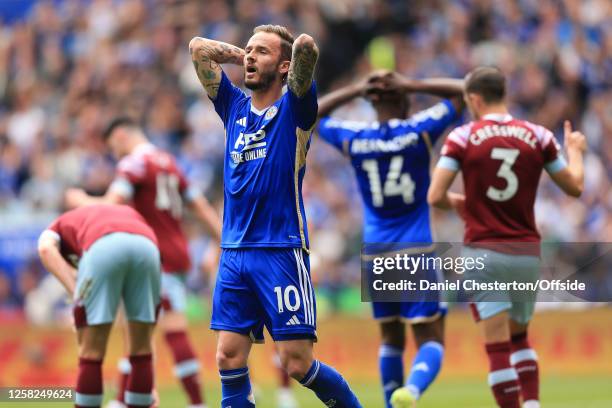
{"type": "Point", "coordinates": [284, 394]}
{"type": "Point", "coordinates": [503, 378]}
{"type": "Point", "coordinates": [328, 385]}
{"type": "Point", "coordinates": [173, 322]}
{"type": "Point", "coordinates": [296, 357]}
{"type": "Point", "coordinates": [92, 346]}
{"type": "Point", "coordinates": [236, 388]}
{"type": "Point", "coordinates": [425, 366]}
{"type": "Point", "coordinates": [139, 387]}
{"type": "Point", "coordinates": [186, 365]}
{"type": "Point", "coordinates": [89, 383]}
{"type": "Point", "coordinates": [525, 361]}
{"type": "Point", "coordinates": [232, 354]}
{"type": "Point", "coordinates": [139, 390]}
{"type": "Point", "coordinates": [391, 357]}
{"type": "Point", "coordinates": [428, 359]}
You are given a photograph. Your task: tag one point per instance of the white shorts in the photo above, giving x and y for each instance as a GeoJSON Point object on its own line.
{"type": "Point", "coordinates": [503, 267]}
{"type": "Point", "coordinates": [173, 292]}
{"type": "Point", "coordinates": [118, 267]}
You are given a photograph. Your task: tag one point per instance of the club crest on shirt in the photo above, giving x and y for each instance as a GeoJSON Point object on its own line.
{"type": "Point", "coordinates": [271, 112]}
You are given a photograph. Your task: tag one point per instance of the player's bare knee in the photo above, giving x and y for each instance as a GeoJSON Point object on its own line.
{"type": "Point", "coordinates": [295, 360]}
{"type": "Point", "coordinates": [91, 353]}
{"type": "Point", "coordinates": [496, 328]}
{"type": "Point", "coordinates": [142, 348]}
{"type": "Point", "coordinates": [229, 359]}
{"type": "Point", "coordinates": [393, 333]}
{"type": "Point", "coordinates": [296, 365]}
{"type": "Point", "coordinates": [425, 332]}
{"type": "Point", "coordinates": [140, 338]}
{"type": "Point", "coordinates": [496, 323]}
{"type": "Point", "coordinates": [92, 341]}
{"type": "Point", "coordinates": [173, 321]}
{"type": "Point", "coordinates": [517, 328]}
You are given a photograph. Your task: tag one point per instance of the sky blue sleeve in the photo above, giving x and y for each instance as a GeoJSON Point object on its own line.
{"type": "Point", "coordinates": [304, 109]}
{"type": "Point", "coordinates": [556, 165]}
{"type": "Point", "coordinates": [435, 120]}
{"type": "Point", "coordinates": [226, 98]}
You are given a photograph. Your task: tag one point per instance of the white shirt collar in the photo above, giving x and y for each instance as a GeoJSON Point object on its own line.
{"type": "Point", "coordinates": [257, 111]}
{"type": "Point", "coordinates": [144, 147]}
{"type": "Point", "coordinates": [498, 117]}
{"type": "Point", "coordinates": [262, 111]}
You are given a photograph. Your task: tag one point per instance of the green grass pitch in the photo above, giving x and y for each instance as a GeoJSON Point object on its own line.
{"type": "Point", "coordinates": [557, 392]}
{"type": "Point", "coordinates": [562, 392]}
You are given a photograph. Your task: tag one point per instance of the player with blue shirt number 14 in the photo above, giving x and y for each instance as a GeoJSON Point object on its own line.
{"type": "Point", "coordinates": [264, 276]}
{"type": "Point", "coordinates": [391, 159]}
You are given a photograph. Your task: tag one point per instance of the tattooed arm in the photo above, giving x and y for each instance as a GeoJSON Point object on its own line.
{"type": "Point", "coordinates": [207, 55]}
{"type": "Point", "coordinates": [303, 61]}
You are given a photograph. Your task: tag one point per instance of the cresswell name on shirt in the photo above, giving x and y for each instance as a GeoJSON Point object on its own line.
{"type": "Point", "coordinates": [249, 146]}
{"type": "Point", "coordinates": [518, 132]}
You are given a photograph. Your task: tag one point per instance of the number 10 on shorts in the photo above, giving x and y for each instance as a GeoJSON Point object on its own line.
{"type": "Point", "coordinates": [285, 300]}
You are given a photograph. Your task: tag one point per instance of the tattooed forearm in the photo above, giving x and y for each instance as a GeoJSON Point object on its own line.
{"type": "Point", "coordinates": [303, 61]}
{"type": "Point", "coordinates": [217, 51]}
{"type": "Point", "coordinates": [207, 55]}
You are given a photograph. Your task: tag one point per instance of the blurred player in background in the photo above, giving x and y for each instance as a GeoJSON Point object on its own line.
{"type": "Point", "coordinates": [118, 261]}
{"type": "Point", "coordinates": [501, 159]}
{"type": "Point", "coordinates": [393, 180]}
{"type": "Point", "coordinates": [264, 276]}
{"type": "Point", "coordinates": [150, 179]}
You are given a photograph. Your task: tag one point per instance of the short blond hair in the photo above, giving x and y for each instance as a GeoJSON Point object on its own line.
{"type": "Point", "coordinates": [284, 34]}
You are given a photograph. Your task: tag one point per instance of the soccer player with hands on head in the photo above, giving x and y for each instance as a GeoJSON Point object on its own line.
{"type": "Point", "coordinates": [501, 159]}
{"type": "Point", "coordinates": [391, 160]}
{"type": "Point", "coordinates": [264, 272]}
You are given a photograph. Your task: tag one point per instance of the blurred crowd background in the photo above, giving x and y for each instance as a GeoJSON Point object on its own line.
{"type": "Point", "coordinates": [68, 66]}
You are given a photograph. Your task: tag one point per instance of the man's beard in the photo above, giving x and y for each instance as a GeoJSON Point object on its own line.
{"type": "Point", "coordinates": [265, 80]}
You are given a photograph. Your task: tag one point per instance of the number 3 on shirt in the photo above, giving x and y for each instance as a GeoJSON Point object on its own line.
{"type": "Point", "coordinates": [508, 157]}
{"type": "Point", "coordinates": [396, 183]}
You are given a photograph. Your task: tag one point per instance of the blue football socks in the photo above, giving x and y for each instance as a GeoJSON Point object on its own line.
{"type": "Point", "coordinates": [236, 388]}
{"type": "Point", "coordinates": [329, 386]}
{"type": "Point", "coordinates": [425, 367]}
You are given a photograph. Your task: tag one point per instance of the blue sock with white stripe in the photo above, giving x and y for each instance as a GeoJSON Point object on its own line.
{"type": "Point", "coordinates": [425, 367]}
{"type": "Point", "coordinates": [391, 364]}
{"type": "Point", "coordinates": [329, 386]}
{"type": "Point", "coordinates": [236, 388]}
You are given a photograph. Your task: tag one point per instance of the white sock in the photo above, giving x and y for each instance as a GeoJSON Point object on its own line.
{"type": "Point", "coordinates": [531, 404]}
{"type": "Point", "coordinates": [414, 391]}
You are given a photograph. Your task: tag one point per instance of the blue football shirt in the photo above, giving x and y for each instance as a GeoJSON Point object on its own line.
{"type": "Point", "coordinates": [264, 165]}
{"type": "Point", "coordinates": [392, 164]}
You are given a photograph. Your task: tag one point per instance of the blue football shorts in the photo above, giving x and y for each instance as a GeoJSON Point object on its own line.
{"type": "Point", "coordinates": [421, 308]}
{"type": "Point", "coordinates": [269, 287]}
